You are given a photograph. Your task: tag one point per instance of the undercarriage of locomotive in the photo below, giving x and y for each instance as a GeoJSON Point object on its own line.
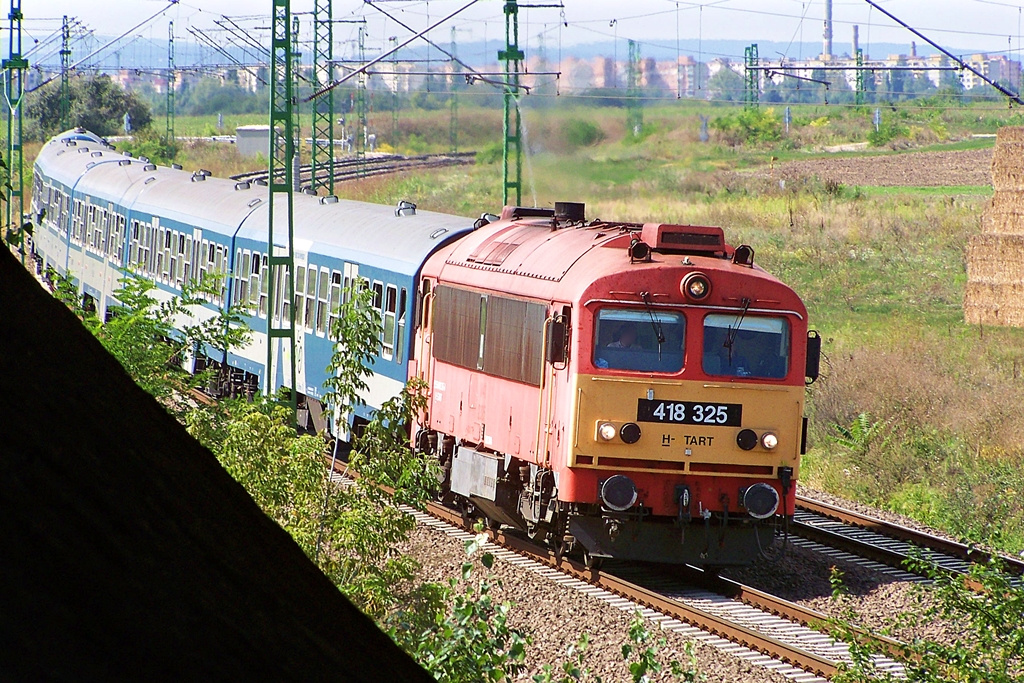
{"type": "Point", "coordinates": [504, 490]}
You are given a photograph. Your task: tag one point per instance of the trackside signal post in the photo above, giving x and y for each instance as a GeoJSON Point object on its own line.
{"type": "Point", "coordinates": [281, 260]}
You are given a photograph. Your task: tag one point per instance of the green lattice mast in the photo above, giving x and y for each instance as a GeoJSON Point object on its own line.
{"type": "Point", "coordinates": [281, 258]}
{"type": "Point", "coordinates": [512, 152]}
{"type": "Point", "coordinates": [169, 134]}
{"type": "Point", "coordinates": [15, 66]}
{"type": "Point", "coordinates": [323, 108]}
{"type": "Point", "coordinates": [634, 110]}
{"type": "Point", "coordinates": [751, 77]}
{"type": "Point", "coordinates": [65, 75]}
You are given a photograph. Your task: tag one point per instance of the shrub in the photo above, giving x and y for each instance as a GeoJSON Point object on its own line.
{"type": "Point", "coordinates": [750, 126]}
{"type": "Point", "coordinates": [490, 153]}
{"type": "Point", "coordinates": [888, 131]}
{"type": "Point", "coordinates": [580, 133]}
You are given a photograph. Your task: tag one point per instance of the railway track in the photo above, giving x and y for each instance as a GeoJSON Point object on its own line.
{"type": "Point", "coordinates": [355, 169]}
{"type": "Point", "coordinates": [885, 542]}
{"type": "Point", "coordinates": [755, 626]}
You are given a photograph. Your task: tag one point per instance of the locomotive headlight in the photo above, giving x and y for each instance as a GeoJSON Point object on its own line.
{"type": "Point", "coordinates": [769, 441]}
{"type": "Point", "coordinates": [696, 286]}
{"type": "Point", "coordinates": [607, 431]}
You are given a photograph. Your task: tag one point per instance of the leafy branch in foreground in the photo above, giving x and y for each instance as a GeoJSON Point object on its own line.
{"type": "Point", "coordinates": [986, 645]}
{"type": "Point", "coordinates": [149, 335]}
{"type": "Point", "coordinates": [473, 640]}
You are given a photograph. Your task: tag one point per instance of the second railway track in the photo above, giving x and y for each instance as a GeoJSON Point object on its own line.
{"type": "Point", "coordinates": [886, 542]}
{"type": "Point", "coordinates": [355, 169]}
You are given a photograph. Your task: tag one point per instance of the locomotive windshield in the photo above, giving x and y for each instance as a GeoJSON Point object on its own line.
{"type": "Point", "coordinates": [639, 340]}
{"type": "Point", "coordinates": [746, 347]}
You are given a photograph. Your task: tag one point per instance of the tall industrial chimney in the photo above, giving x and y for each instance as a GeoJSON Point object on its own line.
{"type": "Point", "coordinates": [827, 46]}
{"type": "Point", "coordinates": [856, 41]}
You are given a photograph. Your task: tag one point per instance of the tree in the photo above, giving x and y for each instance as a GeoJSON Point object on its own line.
{"type": "Point", "coordinates": [142, 333]}
{"type": "Point", "coordinates": [726, 85]}
{"type": "Point", "coordinates": [97, 104]}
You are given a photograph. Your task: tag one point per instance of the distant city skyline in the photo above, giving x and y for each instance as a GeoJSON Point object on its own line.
{"type": "Point", "coordinates": [961, 25]}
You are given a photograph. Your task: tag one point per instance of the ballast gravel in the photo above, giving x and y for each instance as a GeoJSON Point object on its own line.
{"type": "Point", "coordinates": [555, 616]}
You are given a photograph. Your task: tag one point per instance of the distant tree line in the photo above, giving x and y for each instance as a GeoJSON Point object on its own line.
{"type": "Point", "coordinates": [96, 103]}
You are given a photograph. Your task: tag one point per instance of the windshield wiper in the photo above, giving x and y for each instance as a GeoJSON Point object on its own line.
{"type": "Point", "coordinates": [659, 331]}
{"type": "Point", "coordinates": [730, 337]}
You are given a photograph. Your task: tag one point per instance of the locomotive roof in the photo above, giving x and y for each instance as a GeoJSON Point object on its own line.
{"type": "Point", "coordinates": [550, 260]}
{"type": "Point", "coordinates": [367, 233]}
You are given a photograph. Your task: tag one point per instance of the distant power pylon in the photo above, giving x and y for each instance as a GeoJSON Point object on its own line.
{"type": "Point", "coordinates": [65, 75]}
{"type": "Point", "coordinates": [169, 135]}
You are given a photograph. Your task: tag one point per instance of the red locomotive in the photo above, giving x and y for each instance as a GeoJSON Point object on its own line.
{"type": "Point", "coordinates": [633, 390]}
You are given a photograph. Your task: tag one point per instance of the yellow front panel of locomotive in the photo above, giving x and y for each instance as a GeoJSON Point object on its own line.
{"type": "Point", "coordinates": [685, 426]}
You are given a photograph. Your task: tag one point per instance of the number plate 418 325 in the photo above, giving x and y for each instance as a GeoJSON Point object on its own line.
{"type": "Point", "coordinates": [689, 413]}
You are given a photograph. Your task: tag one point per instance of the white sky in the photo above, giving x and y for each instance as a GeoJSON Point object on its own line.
{"type": "Point", "coordinates": [991, 25]}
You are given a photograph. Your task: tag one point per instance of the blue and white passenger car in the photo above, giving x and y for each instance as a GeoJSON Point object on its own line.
{"type": "Point", "coordinates": [100, 214]}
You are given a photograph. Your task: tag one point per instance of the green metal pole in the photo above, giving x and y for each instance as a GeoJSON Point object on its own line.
{"type": "Point", "coordinates": [394, 94]}
{"type": "Point", "coordinates": [323, 108]}
{"type": "Point", "coordinates": [281, 232]}
{"type": "Point", "coordinates": [169, 135]}
{"type": "Point", "coordinates": [512, 56]}
{"type": "Point", "coordinates": [361, 121]}
{"type": "Point", "coordinates": [634, 112]}
{"type": "Point", "coordinates": [65, 76]}
{"type": "Point", "coordinates": [15, 66]}
{"type": "Point", "coordinates": [751, 77]}
{"type": "Point", "coordinates": [859, 97]}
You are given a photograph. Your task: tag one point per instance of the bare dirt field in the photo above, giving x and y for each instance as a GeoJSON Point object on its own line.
{"type": "Point", "coordinates": [917, 169]}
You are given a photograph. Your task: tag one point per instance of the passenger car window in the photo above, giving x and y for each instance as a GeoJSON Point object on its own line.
{"type": "Point", "coordinates": [746, 347]}
{"type": "Point", "coordinates": [639, 340]}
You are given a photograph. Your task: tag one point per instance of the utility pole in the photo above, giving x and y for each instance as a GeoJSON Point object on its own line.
{"type": "Point", "coordinates": [751, 77]}
{"type": "Point", "coordinates": [15, 66]}
{"type": "Point", "coordinates": [512, 56]}
{"type": "Point", "coordinates": [323, 108]}
{"type": "Point", "coordinates": [65, 75]}
{"type": "Point", "coordinates": [169, 135]}
{"type": "Point", "coordinates": [634, 110]}
{"type": "Point", "coordinates": [281, 227]}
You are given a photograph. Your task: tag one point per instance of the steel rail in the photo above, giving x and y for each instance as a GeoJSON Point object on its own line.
{"type": "Point", "coordinates": [377, 165]}
{"type": "Point", "coordinates": [710, 623]}
{"type": "Point", "coordinates": [959, 551]}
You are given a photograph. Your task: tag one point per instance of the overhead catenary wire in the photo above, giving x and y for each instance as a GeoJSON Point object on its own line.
{"type": "Point", "coordinates": [106, 45]}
